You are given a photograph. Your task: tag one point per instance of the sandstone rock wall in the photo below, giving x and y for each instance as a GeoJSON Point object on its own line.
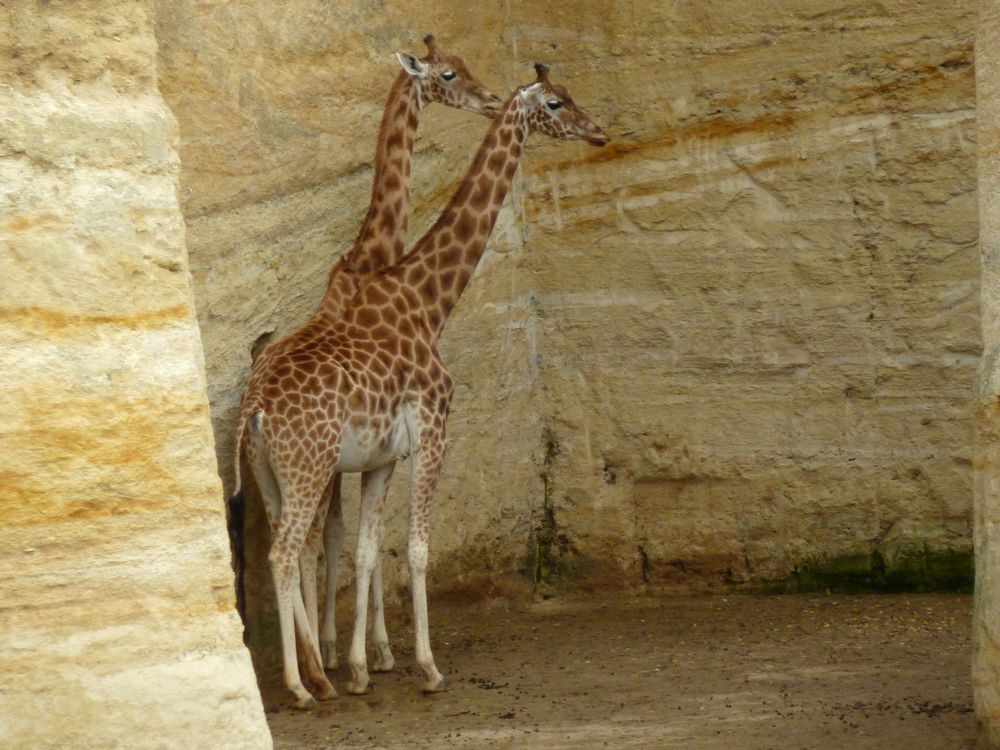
{"type": "Point", "coordinates": [117, 626]}
{"type": "Point", "coordinates": [986, 616]}
{"type": "Point", "coordinates": [758, 309]}
{"type": "Point", "coordinates": [735, 346]}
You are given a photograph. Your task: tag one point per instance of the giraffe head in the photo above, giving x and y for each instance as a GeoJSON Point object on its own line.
{"type": "Point", "coordinates": [445, 78]}
{"type": "Point", "coordinates": [551, 110]}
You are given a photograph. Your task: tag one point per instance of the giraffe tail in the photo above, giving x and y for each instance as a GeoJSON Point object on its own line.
{"type": "Point", "coordinates": [241, 425]}
{"type": "Point", "coordinates": [236, 517]}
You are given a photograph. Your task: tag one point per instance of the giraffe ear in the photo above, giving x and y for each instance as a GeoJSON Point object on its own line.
{"type": "Point", "coordinates": [412, 65]}
{"type": "Point", "coordinates": [531, 92]}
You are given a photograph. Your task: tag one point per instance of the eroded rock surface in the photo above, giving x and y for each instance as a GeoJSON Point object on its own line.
{"type": "Point", "coordinates": [758, 309]}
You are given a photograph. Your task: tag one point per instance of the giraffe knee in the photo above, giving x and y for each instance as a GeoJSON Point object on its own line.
{"type": "Point", "coordinates": [366, 556]}
{"type": "Point", "coordinates": [334, 530]}
{"type": "Point", "coordinates": [283, 565]}
{"type": "Point", "coordinates": [418, 555]}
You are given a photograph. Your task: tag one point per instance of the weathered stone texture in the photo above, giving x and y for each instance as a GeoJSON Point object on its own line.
{"type": "Point", "coordinates": [737, 342]}
{"type": "Point", "coordinates": [758, 309]}
{"type": "Point", "coordinates": [117, 623]}
{"type": "Point", "coordinates": [986, 614]}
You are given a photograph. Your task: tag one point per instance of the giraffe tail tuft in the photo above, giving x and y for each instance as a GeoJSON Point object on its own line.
{"type": "Point", "coordinates": [236, 522]}
{"type": "Point", "coordinates": [236, 515]}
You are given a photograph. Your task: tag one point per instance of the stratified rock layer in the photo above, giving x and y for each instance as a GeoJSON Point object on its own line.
{"type": "Point", "coordinates": [758, 309]}
{"type": "Point", "coordinates": [118, 627]}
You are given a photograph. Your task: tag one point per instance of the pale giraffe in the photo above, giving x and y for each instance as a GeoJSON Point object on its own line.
{"type": "Point", "coordinates": [438, 77]}
{"type": "Point", "coordinates": [374, 390]}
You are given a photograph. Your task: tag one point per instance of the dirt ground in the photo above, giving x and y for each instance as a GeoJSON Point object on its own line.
{"type": "Point", "coordinates": [726, 673]}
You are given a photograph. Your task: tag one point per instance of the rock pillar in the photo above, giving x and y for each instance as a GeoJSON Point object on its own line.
{"type": "Point", "coordinates": [117, 626]}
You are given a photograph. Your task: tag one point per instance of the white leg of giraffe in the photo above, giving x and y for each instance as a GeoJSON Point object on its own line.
{"type": "Point", "coordinates": [426, 469]}
{"type": "Point", "coordinates": [284, 567]}
{"type": "Point", "coordinates": [380, 637]}
{"type": "Point", "coordinates": [299, 505]}
{"type": "Point", "coordinates": [374, 485]}
{"type": "Point", "coordinates": [286, 574]}
{"type": "Point", "coordinates": [310, 661]}
{"type": "Point", "coordinates": [333, 537]}
{"type": "Point", "coordinates": [309, 560]}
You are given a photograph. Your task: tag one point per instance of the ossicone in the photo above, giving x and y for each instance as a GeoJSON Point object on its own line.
{"type": "Point", "coordinates": [542, 71]}
{"type": "Point", "coordinates": [431, 42]}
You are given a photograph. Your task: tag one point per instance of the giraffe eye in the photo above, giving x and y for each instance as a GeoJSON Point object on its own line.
{"type": "Point", "coordinates": [449, 75]}
{"type": "Point", "coordinates": [553, 104]}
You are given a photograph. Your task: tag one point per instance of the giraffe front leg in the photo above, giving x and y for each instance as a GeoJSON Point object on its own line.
{"type": "Point", "coordinates": [426, 470]}
{"type": "Point", "coordinates": [374, 487]}
{"type": "Point", "coordinates": [384, 662]}
{"type": "Point", "coordinates": [333, 535]}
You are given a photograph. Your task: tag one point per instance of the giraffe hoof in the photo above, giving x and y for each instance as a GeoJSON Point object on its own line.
{"type": "Point", "coordinates": [326, 692]}
{"type": "Point", "coordinates": [306, 703]}
{"type": "Point", "coordinates": [441, 686]}
{"type": "Point", "coordinates": [384, 663]}
{"type": "Point", "coordinates": [357, 689]}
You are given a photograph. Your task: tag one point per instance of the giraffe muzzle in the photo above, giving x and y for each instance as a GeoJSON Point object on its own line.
{"type": "Point", "coordinates": [600, 138]}
{"type": "Point", "coordinates": [492, 106]}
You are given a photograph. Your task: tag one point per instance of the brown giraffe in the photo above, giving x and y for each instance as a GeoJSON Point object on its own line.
{"type": "Point", "coordinates": [374, 390]}
{"type": "Point", "coordinates": [438, 77]}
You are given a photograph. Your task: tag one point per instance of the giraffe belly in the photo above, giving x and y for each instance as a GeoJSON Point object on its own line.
{"type": "Point", "coordinates": [366, 449]}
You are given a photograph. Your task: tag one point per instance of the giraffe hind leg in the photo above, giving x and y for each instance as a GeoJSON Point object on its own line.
{"type": "Point", "coordinates": [374, 487]}
{"type": "Point", "coordinates": [384, 661]}
{"type": "Point", "coordinates": [284, 567]}
{"type": "Point", "coordinates": [289, 524]}
{"type": "Point", "coordinates": [267, 483]}
{"type": "Point", "coordinates": [309, 559]}
{"type": "Point", "coordinates": [426, 470]}
{"type": "Point", "coordinates": [333, 537]}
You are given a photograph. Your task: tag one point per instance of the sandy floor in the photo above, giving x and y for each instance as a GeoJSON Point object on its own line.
{"type": "Point", "coordinates": [732, 673]}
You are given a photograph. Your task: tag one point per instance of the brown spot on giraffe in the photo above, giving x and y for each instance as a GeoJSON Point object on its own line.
{"type": "Point", "coordinates": [481, 196]}
{"type": "Point", "coordinates": [450, 256]}
{"type": "Point", "coordinates": [497, 161]}
{"type": "Point", "coordinates": [428, 290]}
{"type": "Point", "coordinates": [367, 317]}
{"type": "Point", "coordinates": [465, 226]}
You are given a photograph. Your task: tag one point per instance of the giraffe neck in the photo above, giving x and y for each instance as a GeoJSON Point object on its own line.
{"type": "Point", "coordinates": [441, 264]}
{"type": "Point", "coordinates": [383, 233]}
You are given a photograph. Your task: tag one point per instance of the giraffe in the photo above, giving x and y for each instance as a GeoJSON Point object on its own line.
{"type": "Point", "coordinates": [438, 77]}
{"type": "Point", "coordinates": [374, 390]}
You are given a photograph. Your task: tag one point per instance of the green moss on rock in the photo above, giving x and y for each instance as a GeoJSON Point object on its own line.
{"type": "Point", "coordinates": [884, 569]}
